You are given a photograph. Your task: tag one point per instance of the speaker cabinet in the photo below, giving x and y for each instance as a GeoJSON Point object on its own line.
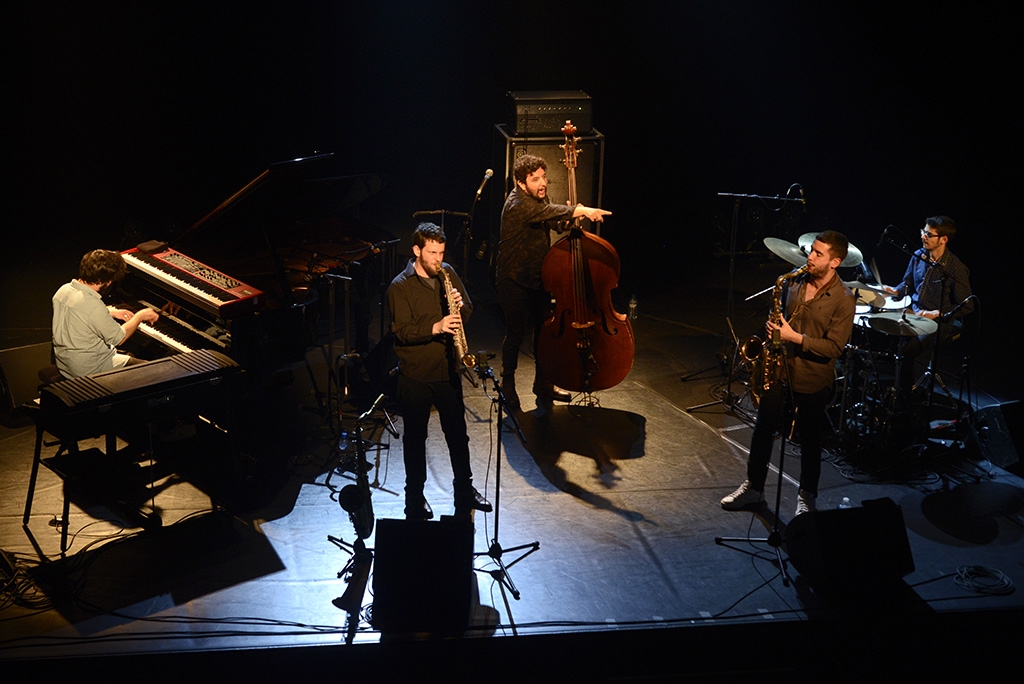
{"type": "Point", "coordinates": [589, 167]}
{"type": "Point", "coordinates": [422, 576]}
{"type": "Point", "coordinates": [589, 164]}
{"type": "Point", "coordinates": [851, 548]}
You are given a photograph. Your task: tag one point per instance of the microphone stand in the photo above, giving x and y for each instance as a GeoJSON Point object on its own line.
{"type": "Point", "coordinates": [495, 550]}
{"type": "Point", "coordinates": [334, 390]}
{"type": "Point", "coordinates": [775, 538]}
{"type": "Point", "coordinates": [359, 506]}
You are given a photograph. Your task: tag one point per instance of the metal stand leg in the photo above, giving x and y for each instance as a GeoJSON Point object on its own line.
{"type": "Point", "coordinates": [495, 550]}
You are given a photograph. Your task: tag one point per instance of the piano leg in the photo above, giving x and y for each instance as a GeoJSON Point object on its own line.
{"type": "Point", "coordinates": [33, 476]}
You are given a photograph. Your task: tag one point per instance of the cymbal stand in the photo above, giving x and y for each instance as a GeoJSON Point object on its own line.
{"type": "Point", "coordinates": [731, 401]}
{"type": "Point", "coordinates": [931, 376]}
{"type": "Point", "coordinates": [495, 550]}
{"type": "Point", "coordinates": [775, 538]}
{"type": "Point", "coordinates": [336, 392]}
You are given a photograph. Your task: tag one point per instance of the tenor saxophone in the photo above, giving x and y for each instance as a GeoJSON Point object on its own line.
{"type": "Point", "coordinates": [459, 336]}
{"type": "Point", "coordinates": [767, 356]}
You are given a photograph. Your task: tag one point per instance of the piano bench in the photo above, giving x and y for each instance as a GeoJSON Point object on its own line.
{"type": "Point", "coordinates": [49, 375]}
{"type": "Point", "coordinates": [70, 465]}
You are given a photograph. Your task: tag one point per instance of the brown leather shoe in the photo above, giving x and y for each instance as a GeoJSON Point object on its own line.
{"type": "Point", "coordinates": [552, 393]}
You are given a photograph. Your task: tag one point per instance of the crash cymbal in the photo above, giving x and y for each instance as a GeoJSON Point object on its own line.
{"type": "Point", "coordinates": [903, 324]}
{"type": "Point", "coordinates": [786, 250]}
{"type": "Point", "coordinates": [854, 257]}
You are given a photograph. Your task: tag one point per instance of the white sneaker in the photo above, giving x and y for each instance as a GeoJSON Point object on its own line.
{"type": "Point", "coordinates": [804, 503]}
{"type": "Point", "coordinates": [744, 496]}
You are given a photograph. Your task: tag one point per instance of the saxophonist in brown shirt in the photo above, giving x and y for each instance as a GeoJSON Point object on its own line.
{"type": "Point", "coordinates": [813, 331]}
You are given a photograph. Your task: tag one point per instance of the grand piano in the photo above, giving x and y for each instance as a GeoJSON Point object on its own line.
{"type": "Point", "coordinates": [235, 293]}
{"type": "Point", "coordinates": [245, 279]}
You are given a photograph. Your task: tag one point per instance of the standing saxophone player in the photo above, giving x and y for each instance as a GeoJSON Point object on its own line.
{"type": "Point", "coordinates": [425, 326]}
{"type": "Point", "coordinates": [814, 330]}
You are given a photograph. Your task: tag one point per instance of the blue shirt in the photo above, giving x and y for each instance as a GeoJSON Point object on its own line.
{"type": "Point", "coordinates": [939, 288]}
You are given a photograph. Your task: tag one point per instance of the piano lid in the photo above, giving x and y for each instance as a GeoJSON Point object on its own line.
{"type": "Point", "coordinates": [275, 168]}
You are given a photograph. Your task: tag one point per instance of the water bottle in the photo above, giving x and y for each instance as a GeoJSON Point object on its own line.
{"type": "Point", "coordinates": [632, 308]}
{"type": "Point", "coordinates": [343, 441]}
{"type": "Point", "coordinates": [845, 503]}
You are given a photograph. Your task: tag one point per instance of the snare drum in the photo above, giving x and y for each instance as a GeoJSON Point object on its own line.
{"type": "Point", "coordinates": [891, 304]}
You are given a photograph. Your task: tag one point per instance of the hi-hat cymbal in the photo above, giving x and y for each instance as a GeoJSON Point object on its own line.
{"type": "Point", "coordinates": [903, 324]}
{"type": "Point", "coordinates": [786, 250]}
{"type": "Point", "coordinates": [854, 257]}
{"type": "Point", "coordinates": [872, 295]}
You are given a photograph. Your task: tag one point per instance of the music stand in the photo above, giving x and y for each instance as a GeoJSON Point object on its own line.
{"type": "Point", "coordinates": [464, 234]}
{"type": "Point", "coordinates": [495, 550]}
{"type": "Point", "coordinates": [731, 401]}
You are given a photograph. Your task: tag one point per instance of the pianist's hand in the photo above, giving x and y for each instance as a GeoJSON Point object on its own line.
{"type": "Point", "coordinates": [121, 315]}
{"type": "Point", "coordinates": [147, 315]}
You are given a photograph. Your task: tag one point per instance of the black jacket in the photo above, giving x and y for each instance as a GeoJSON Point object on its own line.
{"type": "Point", "coordinates": [416, 304]}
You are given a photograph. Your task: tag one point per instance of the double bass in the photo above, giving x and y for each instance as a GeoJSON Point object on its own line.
{"type": "Point", "coordinates": [586, 345]}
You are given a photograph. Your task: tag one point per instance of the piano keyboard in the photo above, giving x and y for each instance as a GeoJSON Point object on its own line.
{"type": "Point", "coordinates": [181, 336]}
{"type": "Point", "coordinates": [206, 287]}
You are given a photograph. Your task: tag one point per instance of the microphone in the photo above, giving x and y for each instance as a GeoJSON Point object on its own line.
{"type": "Point", "coordinates": [885, 232]}
{"type": "Point", "coordinates": [949, 314]}
{"type": "Point", "coordinates": [803, 198]}
{"type": "Point", "coordinates": [487, 176]}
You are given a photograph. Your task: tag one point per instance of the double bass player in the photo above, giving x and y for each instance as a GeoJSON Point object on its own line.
{"type": "Point", "coordinates": [526, 219]}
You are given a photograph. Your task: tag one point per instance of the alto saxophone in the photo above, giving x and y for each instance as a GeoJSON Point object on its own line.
{"type": "Point", "coordinates": [766, 356]}
{"type": "Point", "coordinates": [459, 336]}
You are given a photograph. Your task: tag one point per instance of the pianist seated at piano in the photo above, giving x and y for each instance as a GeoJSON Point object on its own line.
{"type": "Point", "coordinates": [86, 333]}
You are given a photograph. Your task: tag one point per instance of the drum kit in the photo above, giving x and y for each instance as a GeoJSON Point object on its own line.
{"type": "Point", "coordinates": [869, 371]}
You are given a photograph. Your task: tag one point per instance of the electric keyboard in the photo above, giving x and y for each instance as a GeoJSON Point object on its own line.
{"type": "Point", "coordinates": [201, 285]}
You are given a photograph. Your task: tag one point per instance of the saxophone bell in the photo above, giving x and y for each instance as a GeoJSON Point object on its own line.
{"type": "Point", "coordinates": [751, 348]}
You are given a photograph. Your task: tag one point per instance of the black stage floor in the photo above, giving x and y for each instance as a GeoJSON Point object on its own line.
{"type": "Point", "coordinates": [608, 528]}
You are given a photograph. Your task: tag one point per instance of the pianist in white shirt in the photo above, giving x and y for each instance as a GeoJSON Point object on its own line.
{"type": "Point", "coordinates": [86, 332]}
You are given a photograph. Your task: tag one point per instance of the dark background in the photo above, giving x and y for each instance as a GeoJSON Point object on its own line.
{"type": "Point", "coordinates": [150, 115]}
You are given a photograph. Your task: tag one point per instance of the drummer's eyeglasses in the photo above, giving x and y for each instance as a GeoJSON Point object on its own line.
{"type": "Point", "coordinates": [927, 236]}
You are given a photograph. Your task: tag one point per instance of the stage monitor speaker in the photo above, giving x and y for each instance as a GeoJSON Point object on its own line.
{"type": "Point", "coordinates": [992, 435]}
{"type": "Point", "coordinates": [19, 374]}
{"type": "Point", "coordinates": [422, 576]}
{"type": "Point", "coordinates": [847, 548]}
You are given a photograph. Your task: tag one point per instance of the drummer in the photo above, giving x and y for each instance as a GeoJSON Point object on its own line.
{"type": "Point", "coordinates": [939, 287]}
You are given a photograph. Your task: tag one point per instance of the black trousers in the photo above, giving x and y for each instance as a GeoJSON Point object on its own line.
{"type": "Point", "coordinates": [416, 399]}
{"type": "Point", "coordinates": [775, 408]}
{"type": "Point", "coordinates": [525, 310]}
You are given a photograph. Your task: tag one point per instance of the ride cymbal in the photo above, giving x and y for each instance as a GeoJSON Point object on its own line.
{"type": "Point", "coordinates": [786, 251]}
{"type": "Point", "coordinates": [854, 257]}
